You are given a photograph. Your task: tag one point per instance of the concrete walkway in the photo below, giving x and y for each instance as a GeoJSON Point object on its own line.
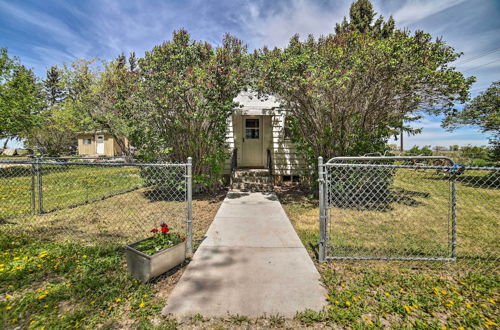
{"type": "Point", "coordinates": [251, 263]}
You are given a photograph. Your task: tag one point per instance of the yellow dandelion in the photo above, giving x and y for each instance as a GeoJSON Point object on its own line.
{"type": "Point", "coordinates": [469, 305]}
{"type": "Point", "coordinates": [443, 292]}
{"type": "Point", "coordinates": [370, 323]}
{"type": "Point", "coordinates": [1, 270]}
{"type": "Point", "coordinates": [461, 328]}
{"type": "Point", "coordinates": [387, 294]}
{"type": "Point", "coordinates": [337, 302]}
{"type": "Point", "coordinates": [489, 323]}
{"type": "Point", "coordinates": [16, 258]}
{"type": "Point", "coordinates": [8, 308]}
{"type": "Point", "coordinates": [348, 303]}
{"type": "Point", "coordinates": [492, 301]}
{"type": "Point", "coordinates": [18, 268]}
{"type": "Point", "coordinates": [45, 306]}
{"type": "Point", "coordinates": [2, 265]}
{"type": "Point", "coordinates": [407, 309]}
{"type": "Point", "coordinates": [42, 296]}
{"type": "Point", "coordinates": [118, 300]}
{"type": "Point", "coordinates": [354, 299]}
{"type": "Point", "coordinates": [38, 290]}
{"type": "Point", "coordinates": [436, 291]}
{"type": "Point", "coordinates": [141, 305]}
{"type": "Point", "coordinates": [415, 306]}
{"type": "Point", "coordinates": [8, 297]}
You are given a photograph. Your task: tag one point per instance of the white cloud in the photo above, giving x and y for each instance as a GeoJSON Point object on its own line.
{"type": "Point", "coordinates": [416, 10]}
{"type": "Point", "coordinates": [276, 27]}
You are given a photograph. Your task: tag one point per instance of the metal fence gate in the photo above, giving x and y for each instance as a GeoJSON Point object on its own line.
{"type": "Point", "coordinates": [94, 199]}
{"type": "Point", "coordinates": [408, 208]}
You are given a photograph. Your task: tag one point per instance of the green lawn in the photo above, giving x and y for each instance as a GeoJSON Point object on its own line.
{"type": "Point", "coordinates": [402, 294]}
{"type": "Point", "coordinates": [62, 186]}
{"type": "Point", "coordinates": [66, 268]}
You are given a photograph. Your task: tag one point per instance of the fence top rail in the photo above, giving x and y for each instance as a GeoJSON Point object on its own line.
{"type": "Point", "coordinates": [41, 162]}
{"type": "Point", "coordinates": [334, 160]}
{"type": "Point", "coordinates": [415, 167]}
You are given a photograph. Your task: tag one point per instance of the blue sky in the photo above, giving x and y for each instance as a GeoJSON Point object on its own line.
{"type": "Point", "coordinates": [44, 33]}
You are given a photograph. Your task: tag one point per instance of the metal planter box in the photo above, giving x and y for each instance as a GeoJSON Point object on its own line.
{"type": "Point", "coordinates": [145, 267]}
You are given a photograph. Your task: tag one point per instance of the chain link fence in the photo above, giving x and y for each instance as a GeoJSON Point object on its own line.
{"type": "Point", "coordinates": [94, 199]}
{"type": "Point", "coordinates": [410, 209]}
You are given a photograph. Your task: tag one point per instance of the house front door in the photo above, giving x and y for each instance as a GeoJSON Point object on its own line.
{"type": "Point", "coordinates": [251, 154]}
{"type": "Point", "coordinates": [99, 144]}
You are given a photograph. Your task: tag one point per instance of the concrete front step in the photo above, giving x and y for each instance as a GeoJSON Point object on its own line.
{"type": "Point", "coordinates": [251, 187]}
{"type": "Point", "coordinates": [253, 179]}
{"type": "Point", "coordinates": [251, 173]}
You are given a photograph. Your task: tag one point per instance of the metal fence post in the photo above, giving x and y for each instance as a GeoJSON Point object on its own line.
{"type": "Point", "coordinates": [189, 219]}
{"type": "Point", "coordinates": [33, 202]}
{"type": "Point", "coordinates": [322, 212]}
{"type": "Point", "coordinates": [453, 216]}
{"type": "Point", "coordinates": [39, 182]}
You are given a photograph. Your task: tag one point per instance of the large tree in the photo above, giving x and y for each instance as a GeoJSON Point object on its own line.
{"type": "Point", "coordinates": [56, 132]}
{"type": "Point", "coordinates": [350, 91]}
{"type": "Point", "coordinates": [186, 96]}
{"type": "Point", "coordinates": [114, 106]}
{"type": "Point", "coordinates": [484, 112]}
{"type": "Point", "coordinates": [20, 98]}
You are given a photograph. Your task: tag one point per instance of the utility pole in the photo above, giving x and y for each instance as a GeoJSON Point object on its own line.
{"type": "Point", "coordinates": [401, 140]}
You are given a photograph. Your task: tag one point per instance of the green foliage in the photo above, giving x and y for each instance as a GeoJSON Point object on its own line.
{"type": "Point", "coordinates": [417, 151]}
{"type": "Point", "coordinates": [186, 94]}
{"type": "Point", "coordinates": [483, 111]}
{"type": "Point", "coordinates": [20, 98]}
{"type": "Point", "coordinates": [351, 91]}
{"type": "Point", "coordinates": [162, 239]}
{"type": "Point", "coordinates": [55, 133]}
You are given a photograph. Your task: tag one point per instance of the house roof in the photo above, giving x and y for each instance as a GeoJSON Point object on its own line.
{"type": "Point", "coordinates": [251, 104]}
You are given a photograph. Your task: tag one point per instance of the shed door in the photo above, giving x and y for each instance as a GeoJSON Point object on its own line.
{"type": "Point", "coordinates": [100, 145]}
{"type": "Point", "coordinates": [251, 154]}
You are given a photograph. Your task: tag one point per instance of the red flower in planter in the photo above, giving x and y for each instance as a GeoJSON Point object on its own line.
{"type": "Point", "coordinates": [164, 228]}
{"type": "Point", "coordinates": [154, 230]}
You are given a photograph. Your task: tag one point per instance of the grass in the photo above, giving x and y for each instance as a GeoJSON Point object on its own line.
{"type": "Point", "coordinates": [62, 186]}
{"type": "Point", "coordinates": [66, 268]}
{"type": "Point", "coordinates": [396, 294]}
{"type": "Point", "coordinates": [53, 279]}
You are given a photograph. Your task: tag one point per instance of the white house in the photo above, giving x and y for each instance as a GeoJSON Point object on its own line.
{"type": "Point", "coordinates": [258, 137]}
